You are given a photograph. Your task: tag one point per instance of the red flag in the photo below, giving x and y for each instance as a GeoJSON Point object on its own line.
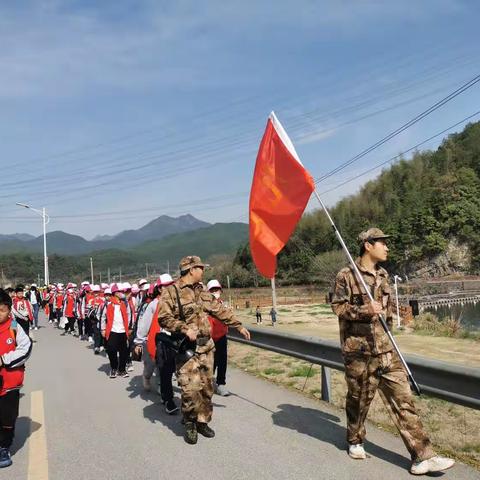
{"type": "Point", "coordinates": [280, 192]}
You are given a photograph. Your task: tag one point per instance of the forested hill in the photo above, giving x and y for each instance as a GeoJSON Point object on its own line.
{"type": "Point", "coordinates": [429, 203]}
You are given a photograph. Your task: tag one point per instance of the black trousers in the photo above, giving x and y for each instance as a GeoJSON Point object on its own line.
{"type": "Point", "coordinates": [70, 326]}
{"type": "Point", "coordinates": [51, 313]}
{"type": "Point", "coordinates": [97, 336]}
{"type": "Point", "coordinates": [220, 360]}
{"type": "Point", "coordinates": [166, 374]}
{"type": "Point", "coordinates": [87, 322]}
{"type": "Point", "coordinates": [117, 350]}
{"type": "Point", "coordinates": [80, 323]}
{"type": "Point", "coordinates": [25, 324]}
{"type": "Point", "coordinates": [8, 416]}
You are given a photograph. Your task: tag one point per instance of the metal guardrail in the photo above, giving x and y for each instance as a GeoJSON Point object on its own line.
{"type": "Point", "coordinates": [454, 383]}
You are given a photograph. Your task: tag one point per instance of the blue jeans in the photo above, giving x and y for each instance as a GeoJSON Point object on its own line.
{"type": "Point", "coordinates": [36, 308]}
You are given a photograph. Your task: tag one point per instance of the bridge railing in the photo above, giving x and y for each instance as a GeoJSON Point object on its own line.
{"type": "Point", "coordinates": [454, 383]}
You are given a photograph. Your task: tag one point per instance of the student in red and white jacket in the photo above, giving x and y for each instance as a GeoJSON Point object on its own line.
{"type": "Point", "coordinates": [22, 309]}
{"type": "Point", "coordinates": [219, 336]}
{"type": "Point", "coordinates": [15, 348]}
{"type": "Point", "coordinates": [70, 310]}
{"type": "Point", "coordinates": [114, 327]}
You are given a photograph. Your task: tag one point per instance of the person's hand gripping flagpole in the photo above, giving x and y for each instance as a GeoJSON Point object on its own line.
{"type": "Point", "coordinates": [281, 189]}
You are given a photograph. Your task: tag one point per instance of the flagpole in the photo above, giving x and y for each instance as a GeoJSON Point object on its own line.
{"type": "Point", "coordinates": [369, 294]}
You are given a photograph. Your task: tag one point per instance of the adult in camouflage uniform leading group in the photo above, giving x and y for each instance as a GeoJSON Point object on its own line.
{"type": "Point", "coordinates": [371, 362]}
{"type": "Point", "coordinates": [195, 376]}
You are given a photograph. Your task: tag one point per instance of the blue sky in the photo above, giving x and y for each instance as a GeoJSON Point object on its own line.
{"type": "Point", "coordinates": [115, 112]}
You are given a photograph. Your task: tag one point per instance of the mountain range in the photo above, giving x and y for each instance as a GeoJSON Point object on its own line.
{"type": "Point", "coordinates": [62, 243]}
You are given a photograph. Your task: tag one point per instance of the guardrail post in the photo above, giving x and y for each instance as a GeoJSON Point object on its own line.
{"type": "Point", "coordinates": [326, 381]}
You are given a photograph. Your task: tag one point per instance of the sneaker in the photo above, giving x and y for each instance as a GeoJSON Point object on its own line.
{"type": "Point", "coordinates": [5, 460]}
{"type": "Point", "coordinates": [130, 367]}
{"type": "Point", "coordinates": [96, 351]}
{"type": "Point", "coordinates": [205, 430]}
{"type": "Point", "coordinates": [124, 374]}
{"type": "Point", "coordinates": [434, 464]}
{"type": "Point", "coordinates": [36, 328]}
{"type": "Point", "coordinates": [113, 374]}
{"type": "Point", "coordinates": [50, 321]}
{"type": "Point", "coordinates": [357, 451]}
{"type": "Point", "coordinates": [146, 383]}
{"type": "Point", "coordinates": [190, 435]}
{"type": "Point", "coordinates": [90, 339]}
{"type": "Point", "coordinates": [102, 348]}
{"type": "Point", "coordinates": [170, 407]}
{"type": "Point", "coordinates": [222, 390]}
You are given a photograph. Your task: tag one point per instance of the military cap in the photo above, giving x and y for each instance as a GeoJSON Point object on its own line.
{"type": "Point", "coordinates": [186, 263]}
{"type": "Point", "coordinates": [372, 234]}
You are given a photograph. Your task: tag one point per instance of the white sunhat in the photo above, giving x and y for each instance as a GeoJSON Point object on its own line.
{"type": "Point", "coordinates": [96, 288]}
{"type": "Point", "coordinates": [126, 286]}
{"type": "Point", "coordinates": [104, 286]}
{"type": "Point", "coordinates": [108, 291]}
{"type": "Point", "coordinates": [144, 287]}
{"type": "Point", "coordinates": [143, 281]}
{"type": "Point", "coordinates": [165, 279]}
{"type": "Point", "coordinates": [213, 284]}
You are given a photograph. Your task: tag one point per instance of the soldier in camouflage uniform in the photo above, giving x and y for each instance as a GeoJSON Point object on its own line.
{"type": "Point", "coordinates": [370, 360]}
{"type": "Point", "coordinates": [195, 377]}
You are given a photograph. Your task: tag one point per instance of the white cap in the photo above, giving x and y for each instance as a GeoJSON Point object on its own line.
{"type": "Point", "coordinates": [145, 286]}
{"type": "Point", "coordinates": [85, 283]}
{"type": "Point", "coordinates": [33, 285]}
{"type": "Point", "coordinates": [165, 279]}
{"type": "Point", "coordinates": [126, 286]}
{"type": "Point", "coordinates": [143, 281]}
{"type": "Point", "coordinates": [104, 286]}
{"type": "Point", "coordinates": [213, 284]}
{"type": "Point", "coordinates": [96, 288]}
{"type": "Point", "coordinates": [135, 288]}
{"type": "Point", "coordinates": [108, 291]}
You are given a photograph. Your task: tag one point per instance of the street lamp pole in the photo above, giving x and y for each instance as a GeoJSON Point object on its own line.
{"type": "Point", "coordinates": [397, 279]}
{"type": "Point", "coordinates": [46, 220]}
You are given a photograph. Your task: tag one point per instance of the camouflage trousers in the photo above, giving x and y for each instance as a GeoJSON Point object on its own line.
{"type": "Point", "coordinates": [384, 372]}
{"type": "Point", "coordinates": [195, 378]}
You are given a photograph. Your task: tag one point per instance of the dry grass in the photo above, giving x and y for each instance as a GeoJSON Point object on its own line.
{"type": "Point", "coordinates": [453, 429]}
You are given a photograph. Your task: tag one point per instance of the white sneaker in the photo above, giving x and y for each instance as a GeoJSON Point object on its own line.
{"type": "Point", "coordinates": [102, 348]}
{"type": "Point", "coordinates": [50, 321]}
{"type": "Point", "coordinates": [434, 464]}
{"type": "Point", "coordinates": [357, 451]}
{"type": "Point", "coordinates": [146, 383]}
{"type": "Point", "coordinates": [130, 367]}
{"type": "Point", "coordinates": [36, 328]}
{"type": "Point", "coordinates": [222, 390]}
{"type": "Point", "coordinates": [90, 339]}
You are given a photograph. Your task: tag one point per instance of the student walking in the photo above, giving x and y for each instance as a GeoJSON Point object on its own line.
{"type": "Point", "coordinates": [15, 348]}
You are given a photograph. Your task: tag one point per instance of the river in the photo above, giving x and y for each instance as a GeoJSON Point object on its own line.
{"type": "Point", "coordinates": [469, 314]}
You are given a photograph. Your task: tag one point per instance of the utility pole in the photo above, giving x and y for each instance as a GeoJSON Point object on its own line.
{"type": "Point", "coordinates": [229, 292]}
{"type": "Point", "coordinates": [120, 274]}
{"type": "Point", "coordinates": [108, 275]}
{"type": "Point", "coordinates": [91, 268]}
{"type": "Point", "coordinates": [274, 295]}
{"type": "Point", "coordinates": [168, 267]}
{"type": "Point", "coordinates": [38, 279]}
{"type": "Point", "coordinates": [100, 277]}
{"type": "Point", "coordinates": [146, 271]}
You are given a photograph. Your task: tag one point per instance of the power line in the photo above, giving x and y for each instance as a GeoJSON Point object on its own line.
{"type": "Point", "coordinates": [415, 147]}
{"type": "Point", "coordinates": [404, 127]}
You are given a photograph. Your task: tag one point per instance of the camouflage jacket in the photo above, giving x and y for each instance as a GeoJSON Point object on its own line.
{"type": "Point", "coordinates": [361, 332]}
{"type": "Point", "coordinates": [197, 304]}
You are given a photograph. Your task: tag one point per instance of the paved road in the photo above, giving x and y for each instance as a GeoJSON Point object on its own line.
{"type": "Point", "coordinates": [92, 427]}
